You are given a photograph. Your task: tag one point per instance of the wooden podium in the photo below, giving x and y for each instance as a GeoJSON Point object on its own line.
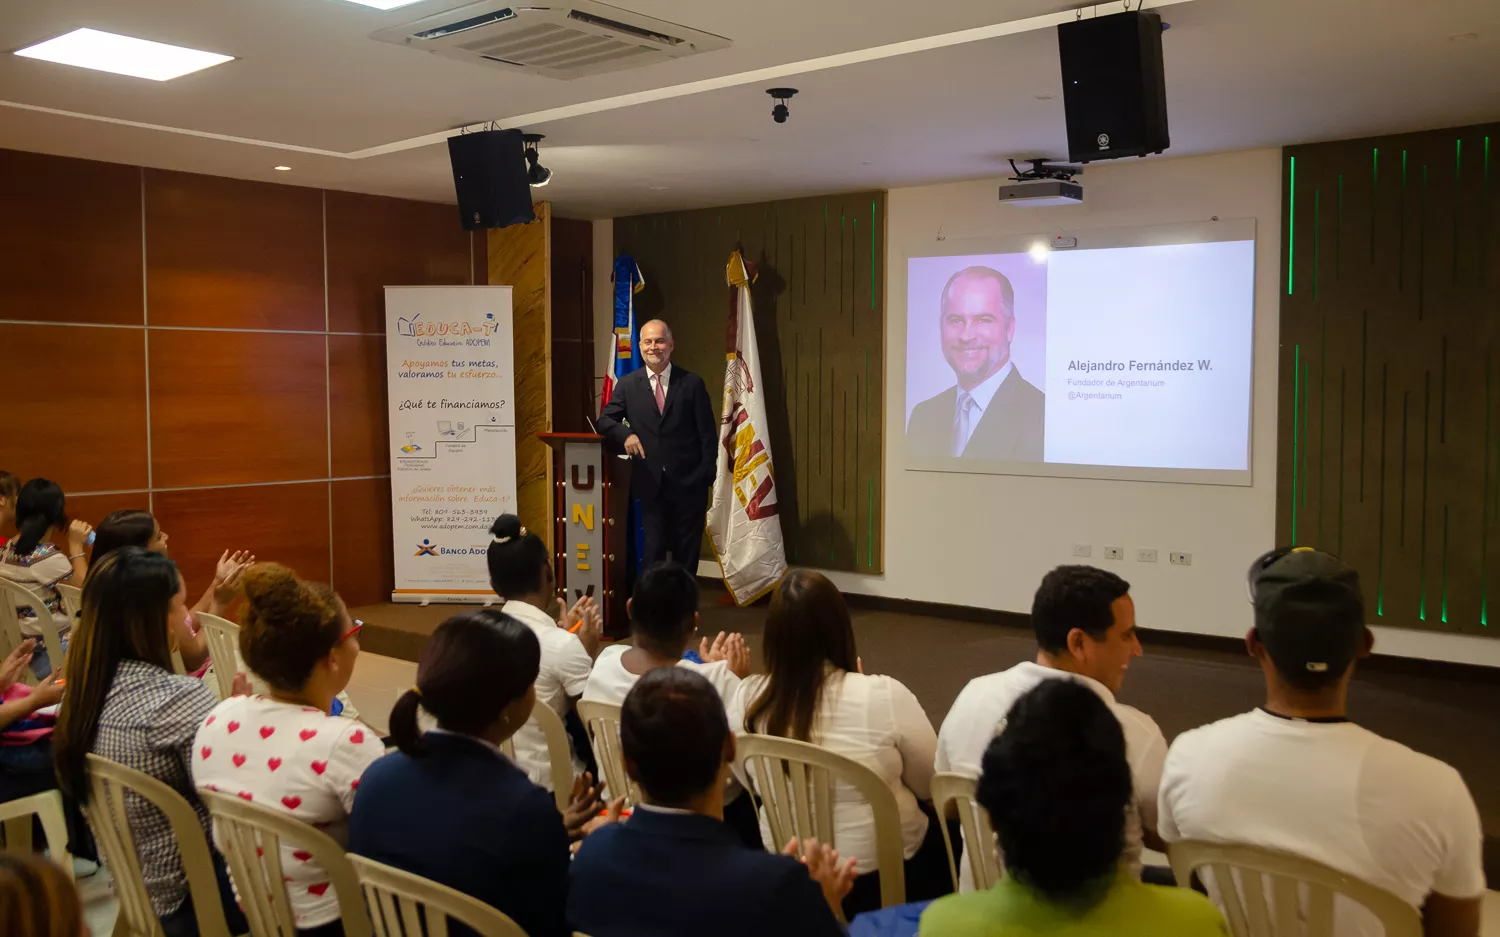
{"type": "Point", "coordinates": [588, 523]}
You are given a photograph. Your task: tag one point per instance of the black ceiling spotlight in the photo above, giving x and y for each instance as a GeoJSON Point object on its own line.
{"type": "Point", "coordinates": [536, 174]}
{"type": "Point", "coordinates": [780, 112]}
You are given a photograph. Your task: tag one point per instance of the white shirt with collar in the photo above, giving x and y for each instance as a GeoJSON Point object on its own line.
{"type": "Point", "coordinates": [979, 713]}
{"type": "Point", "coordinates": [563, 675]}
{"type": "Point", "coordinates": [665, 376]}
{"type": "Point", "coordinates": [982, 394]}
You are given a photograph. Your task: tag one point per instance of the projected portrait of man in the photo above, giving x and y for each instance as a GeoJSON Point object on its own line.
{"type": "Point", "coordinates": [992, 412]}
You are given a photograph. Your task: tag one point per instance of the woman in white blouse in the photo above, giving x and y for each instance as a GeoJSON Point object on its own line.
{"type": "Point", "coordinates": [815, 691]}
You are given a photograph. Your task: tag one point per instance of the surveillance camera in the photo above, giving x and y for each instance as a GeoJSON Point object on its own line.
{"type": "Point", "coordinates": [779, 113]}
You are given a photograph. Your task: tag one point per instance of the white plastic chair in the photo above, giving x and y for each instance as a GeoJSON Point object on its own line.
{"type": "Point", "coordinates": [15, 595]}
{"type": "Point", "coordinates": [401, 903]}
{"type": "Point", "coordinates": [794, 783]}
{"type": "Point", "coordinates": [251, 836]}
{"type": "Point", "coordinates": [1300, 899]}
{"type": "Point", "coordinates": [110, 783]}
{"type": "Point", "coordinates": [979, 836]}
{"type": "Point", "coordinates": [603, 723]}
{"type": "Point", "coordinates": [224, 647]}
{"type": "Point", "coordinates": [72, 599]}
{"type": "Point", "coordinates": [48, 807]}
{"type": "Point", "coordinates": [559, 751]}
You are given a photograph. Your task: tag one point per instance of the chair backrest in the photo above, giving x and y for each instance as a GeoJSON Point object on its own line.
{"type": "Point", "coordinates": [72, 599]}
{"type": "Point", "coordinates": [17, 815]}
{"type": "Point", "coordinates": [401, 903]}
{"type": "Point", "coordinates": [110, 783]}
{"type": "Point", "coordinates": [251, 836]}
{"type": "Point", "coordinates": [979, 836]}
{"type": "Point", "coordinates": [603, 723]}
{"type": "Point", "coordinates": [224, 647]}
{"type": "Point", "coordinates": [19, 595]}
{"type": "Point", "coordinates": [559, 751]}
{"type": "Point", "coordinates": [794, 783]}
{"type": "Point", "coordinates": [1300, 898]}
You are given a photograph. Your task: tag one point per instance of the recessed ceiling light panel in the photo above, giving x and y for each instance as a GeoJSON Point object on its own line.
{"type": "Point", "coordinates": [122, 55]}
{"type": "Point", "coordinates": [383, 4]}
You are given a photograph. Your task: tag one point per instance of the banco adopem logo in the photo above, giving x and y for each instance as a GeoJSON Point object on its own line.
{"type": "Point", "coordinates": [426, 548]}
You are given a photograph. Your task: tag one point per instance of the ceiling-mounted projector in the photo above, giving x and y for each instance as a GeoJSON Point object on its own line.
{"type": "Point", "coordinates": [1042, 185]}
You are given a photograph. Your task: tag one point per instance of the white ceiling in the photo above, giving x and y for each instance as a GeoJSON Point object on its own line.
{"type": "Point", "coordinates": [1240, 73]}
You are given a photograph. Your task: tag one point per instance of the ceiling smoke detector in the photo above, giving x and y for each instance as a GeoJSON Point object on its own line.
{"type": "Point", "coordinates": [565, 40]}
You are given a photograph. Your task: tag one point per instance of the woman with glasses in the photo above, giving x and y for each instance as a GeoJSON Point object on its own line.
{"type": "Point", "coordinates": [283, 749]}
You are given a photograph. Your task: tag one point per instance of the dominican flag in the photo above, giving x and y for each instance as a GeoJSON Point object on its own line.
{"type": "Point", "coordinates": [623, 354]}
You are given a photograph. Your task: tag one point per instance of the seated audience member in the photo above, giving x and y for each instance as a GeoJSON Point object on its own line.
{"type": "Point", "coordinates": [1057, 787]}
{"type": "Point", "coordinates": [674, 869]}
{"type": "Point", "coordinates": [1084, 621]}
{"type": "Point", "coordinates": [33, 558]}
{"type": "Point", "coordinates": [507, 847]}
{"type": "Point", "coordinates": [38, 899]}
{"type": "Point", "coordinates": [521, 574]}
{"type": "Point", "coordinates": [1296, 775]}
{"type": "Point", "coordinates": [816, 691]}
{"type": "Point", "coordinates": [140, 529]}
{"type": "Point", "coordinates": [284, 751]}
{"type": "Point", "coordinates": [10, 487]}
{"type": "Point", "coordinates": [124, 703]}
{"type": "Point", "coordinates": [25, 735]}
{"type": "Point", "coordinates": [663, 620]}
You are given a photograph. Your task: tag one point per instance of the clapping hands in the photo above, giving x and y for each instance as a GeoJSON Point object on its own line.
{"type": "Point", "coordinates": [15, 662]}
{"type": "Point", "coordinates": [731, 648]}
{"type": "Point", "coordinates": [227, 575]}
{"type": "Point", "coordinates": [585, 619]}
{"type": "Point", "coordinates": [822, 861]}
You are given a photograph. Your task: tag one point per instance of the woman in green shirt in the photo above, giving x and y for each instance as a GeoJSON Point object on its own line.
{"type": "Point", "coordinates": [1056, 786]}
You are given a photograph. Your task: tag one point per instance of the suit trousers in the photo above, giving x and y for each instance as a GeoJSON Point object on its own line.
{"type": "Point", "coordinates": [673, 522]}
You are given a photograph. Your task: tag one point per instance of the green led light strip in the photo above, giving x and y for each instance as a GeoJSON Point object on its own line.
{"type": "Point", "coordinates": [1291, 225]}
{"type": "Point", "coordinates": [1374, 186]}
{"type": "Point", "coordinates": [1296, 439]}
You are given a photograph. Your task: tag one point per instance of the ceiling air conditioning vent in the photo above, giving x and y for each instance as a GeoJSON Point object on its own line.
{"type": "Point", "coordinates": [570, 40]}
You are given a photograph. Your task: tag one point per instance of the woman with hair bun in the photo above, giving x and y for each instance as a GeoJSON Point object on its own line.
{"type": "Point", "coordinates": [521, 574]}
{"type": "Point", "coordinates": [507, 848]}
{"type": "Point", "coordinates": [283, 750]}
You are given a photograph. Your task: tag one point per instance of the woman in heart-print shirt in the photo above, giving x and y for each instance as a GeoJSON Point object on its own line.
{"type": "Point", "coordinates": [283, 750]}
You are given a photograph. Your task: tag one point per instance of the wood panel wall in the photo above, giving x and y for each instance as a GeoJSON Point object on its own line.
{"type": "Point", "coordinates": [820, 320]}
{"type": "Point", "coordinates": [212, 350]}
{"type": "Point", "coordinates": [1389, 423]}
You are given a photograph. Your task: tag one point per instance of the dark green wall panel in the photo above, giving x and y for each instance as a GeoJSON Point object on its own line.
{"type": "Point", "coordinates": [1389, 424]}
{"type": "Point", "coordinates": [820, 319]}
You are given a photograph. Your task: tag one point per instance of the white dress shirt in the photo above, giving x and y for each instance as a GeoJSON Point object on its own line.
{"type": "Point", "coordinates": [666, 381]}
{"type": "Point", "coordinates": [564, 673]}
{"type": "Point", "coordinates": [981, 396]}
{"type": "Point", "coordinates": [876, 721]}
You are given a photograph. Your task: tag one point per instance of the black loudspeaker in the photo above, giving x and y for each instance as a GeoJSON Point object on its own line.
{"type": "Point", "coordinates": [489, 174]}
{"type": "Point", "coordinates": [1114, 89]}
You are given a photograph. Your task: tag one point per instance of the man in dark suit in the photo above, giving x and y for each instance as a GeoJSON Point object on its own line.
{"type": "Point", "coordinates": [992, 412]}
{"type": "Point", "coordinates": [674, 869]}
{"type": "Point", "coordinates": [660, 415]}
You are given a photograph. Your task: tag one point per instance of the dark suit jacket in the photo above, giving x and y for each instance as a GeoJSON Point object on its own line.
{"type": "Point", "coordinates": [668, 875]}
{"type": "Point", "coordinates": [466, 817]}
{"type": "Point", "coordinates": [1010, 430]}
{"type": "Point", "coordinates": [681, 441]}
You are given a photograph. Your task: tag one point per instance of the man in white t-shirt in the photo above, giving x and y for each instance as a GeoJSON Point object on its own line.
{"type": "Point", "coordinates": [1084, 621]}
{"type": "Point", "coordinates": [1297, 776]}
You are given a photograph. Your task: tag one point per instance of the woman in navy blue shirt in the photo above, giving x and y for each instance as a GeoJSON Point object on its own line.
{"type": "Point", "coordinates": [449, 806]}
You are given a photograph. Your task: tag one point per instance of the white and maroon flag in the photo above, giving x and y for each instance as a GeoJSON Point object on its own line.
{"type": "Point", "coordinates": [743, 520]}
